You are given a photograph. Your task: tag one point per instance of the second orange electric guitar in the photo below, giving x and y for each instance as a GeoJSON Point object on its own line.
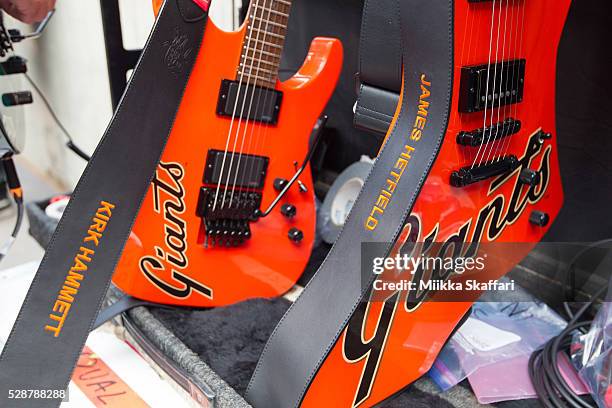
{"type": "Point", "coordinates": [228, 215]}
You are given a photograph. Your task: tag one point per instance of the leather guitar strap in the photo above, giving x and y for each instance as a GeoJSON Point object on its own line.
{"type": "Point", "coordinates": [312, 326]}
{"type": "Point", "coordinates": [69, 287]}
{"type": "Point", "coordinates": [379, 83]}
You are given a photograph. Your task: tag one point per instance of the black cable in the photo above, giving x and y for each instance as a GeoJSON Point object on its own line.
{"type": "Point", "coordinates": [551, 388]}
{"type": "Point", "coordinates": [15, 187]}
{"type": "Point", "coordinates": [70, 144]}
{"type": "Point", "coordinates": [570, 284]}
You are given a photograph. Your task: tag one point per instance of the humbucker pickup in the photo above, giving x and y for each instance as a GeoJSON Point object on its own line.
{"type": "Point", "coordinates": [247, 170]}
{"type": "Point", "coordinates": [506, 82]}
{"type": "Point", "coordinates": [234, 101]}
{"type": "Point", "coordinates": [489, 134]}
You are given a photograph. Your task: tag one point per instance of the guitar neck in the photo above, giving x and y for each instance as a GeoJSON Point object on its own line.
{"type": "Point", "coordinates": [263, 43]}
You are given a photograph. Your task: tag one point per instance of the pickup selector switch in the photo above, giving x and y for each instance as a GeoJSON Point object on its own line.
{"type": "Point", "coordinates": [289, 210]}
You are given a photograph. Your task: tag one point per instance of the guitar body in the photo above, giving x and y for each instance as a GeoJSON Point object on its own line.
{"type": "Point", "coordinates": [168, 258]}
{"type": "Point", "coordinates": [388, 345]}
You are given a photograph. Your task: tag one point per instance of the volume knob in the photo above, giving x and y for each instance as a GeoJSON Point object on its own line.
{"type": "Point", "coordinates": [296, 235]}
{"type": "Point", "coordinates": [289, 210]}
{"type": "Point", "coordinates": [539, 218]}
{"type": "Point", "coordinates": [529, 177]}
{"type": "Point", "coordinates": [280, 183]}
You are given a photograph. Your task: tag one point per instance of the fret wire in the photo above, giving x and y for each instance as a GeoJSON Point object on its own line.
{"type": "Point", "coordinates": [275, 24]}
{"type": "Point", "coordinates": [273, 45]}
{"type": "Point", "coordinates": [260, 51]}
{"type": "Point", "coordinates": [263, 61]}
{"type": "Point", "coordinates": [277, 12]}
{"type": "Point", "coordinates": [258, 80]}
{"type": "Point", "coordinates": [274, 35]}
{"type": "Point", "coordinates": [275, 28]}
{"type": "Point", "coordinates": [243, 67]}
{"type": "Point", "coordinates": [257, 76]}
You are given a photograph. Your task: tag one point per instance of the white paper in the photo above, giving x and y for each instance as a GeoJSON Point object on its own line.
{"type": "Point", "coordinates": [484, 337]}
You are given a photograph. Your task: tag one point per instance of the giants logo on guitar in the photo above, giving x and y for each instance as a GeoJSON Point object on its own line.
{"type": "Point", "coordinates": [169, 192]}
{"type": "Point", "coordinates": [498, 216]}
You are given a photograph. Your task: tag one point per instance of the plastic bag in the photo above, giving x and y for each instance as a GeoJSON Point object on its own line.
{"type": "Point", "coordinates": [495, 331]}
{"type": "Point", "coordinates": [592, 356]}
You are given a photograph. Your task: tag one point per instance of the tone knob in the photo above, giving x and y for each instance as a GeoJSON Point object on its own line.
{"type": "Point", "coordinates": [288, 210]}
{"type": "Point", "coordinates": [539, 218]}
{"type": "Point", "coordinates": [296, 235]}
{"type": "Point", "coordinates": [280, 183]}
{"type": "Point", "coordinates": [529, 177]}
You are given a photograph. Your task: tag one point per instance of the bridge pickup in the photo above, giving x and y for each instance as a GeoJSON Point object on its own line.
{"type": "Point", "coordinates": [470, 175]}
{"type": "Point", "coordinates": [489, 134]}
{"type": "Point", "coordinates": [247, 170]}
{"type": "Point", "coordinates": [506, 81]}
{"type": "Point", "coordinates": [266, 102]}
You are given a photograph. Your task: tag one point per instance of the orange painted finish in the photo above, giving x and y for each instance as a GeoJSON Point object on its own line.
{"type": "Point", "coordinates": [157, 6]}
{"type": "Point", "coordinates": [416, 336]}
{"type": "Point", "coordinates": [269, 263]}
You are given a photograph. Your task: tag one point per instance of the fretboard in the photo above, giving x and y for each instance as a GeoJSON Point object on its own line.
{"type": "Point", "coordinates": [263, 44]}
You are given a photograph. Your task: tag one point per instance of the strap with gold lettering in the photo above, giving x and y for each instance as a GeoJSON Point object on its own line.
{"type": "Point", "coordinates": [310, 328]}
{"type": "Point", "coordinates": [66, 294]}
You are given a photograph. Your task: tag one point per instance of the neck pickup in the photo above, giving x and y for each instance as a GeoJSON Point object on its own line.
{"type": "Point", "coordinates": [486, 86]}
{"type": "Point", "coordinates": [236, 100]}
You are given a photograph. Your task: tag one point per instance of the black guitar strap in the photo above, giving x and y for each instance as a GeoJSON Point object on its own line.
{"type": "Point", "coordinates": [380, 82]}
{"type": "Point", "coordinates": [310, 328]}
{"type": "Point", "coordinates": [67, 292]}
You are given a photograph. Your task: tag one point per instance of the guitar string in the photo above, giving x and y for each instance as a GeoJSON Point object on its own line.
{"type": "Point", "coordinates": [255, 147]}
{"type": "Point", "coordinates": [465, 29]}
{"type": "Point", "coordinates": [514, 109]}
{"type": "Point", "coordinates": [472, 56]}
{"type": "Point", "coordinates": [259, 103]}
{"type": "Point", "coordinates": [266, 129]}
{"type": "Point", "coordinates": [241, 118]}
{"type": "Point", "coordinates": [513, 56]}
{"type": "Point", "coordinates": [484, 126]}
{"type": "Point", "coordinates": [257, 72]}
{"type": "Point", "coordinates": [263, 129]}
{"type": "Point", "coordinates": [508, 106]}
{"type": "Point", "coordinates": [501, 95]}
{"type": "Point", "coordinates": [457, 120]}
{"type": "Point", "coordinates": [493, 98]}
{"type": "Point", "coordinates": [229, 135]}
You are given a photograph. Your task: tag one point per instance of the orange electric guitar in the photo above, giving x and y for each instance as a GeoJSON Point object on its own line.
{"type": "Point", "coordinates": [230, 214]}
{"type": "Point", "coordinates": [496, 178]}
{"type": "Point", "coordinates": [469, 170]}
